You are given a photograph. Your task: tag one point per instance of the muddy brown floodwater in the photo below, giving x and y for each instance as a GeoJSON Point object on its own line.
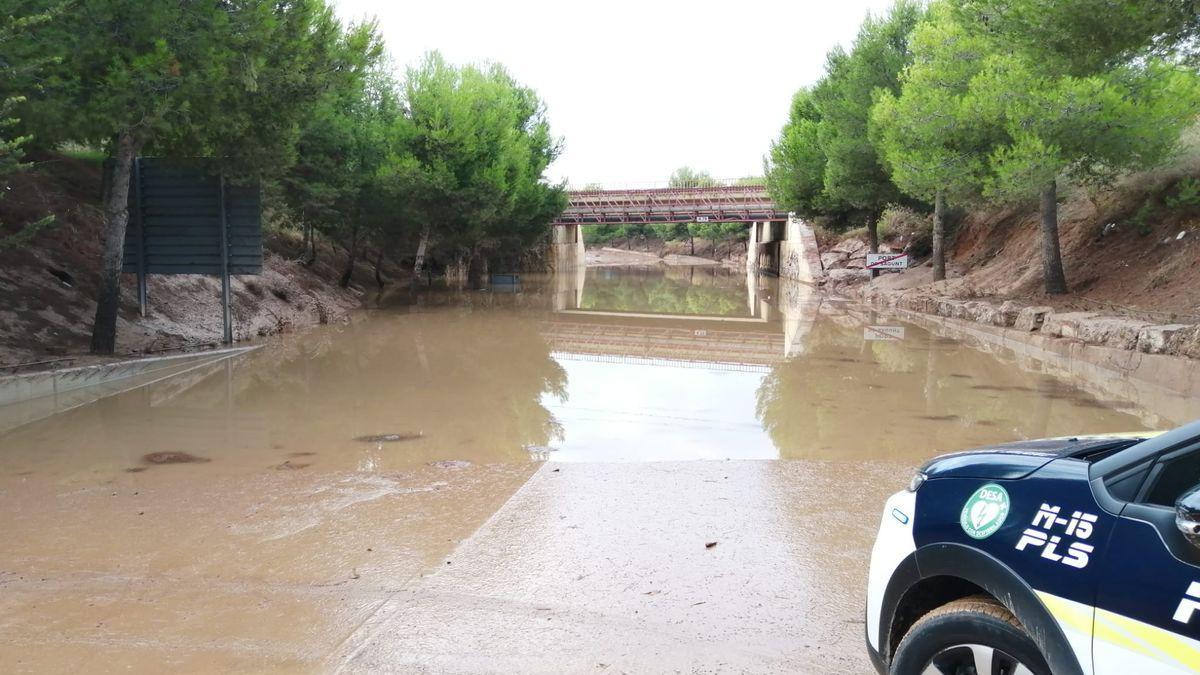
{"type": "Point", "coordinates": [522, 479]}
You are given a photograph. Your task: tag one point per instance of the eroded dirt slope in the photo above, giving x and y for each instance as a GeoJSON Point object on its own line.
{"type": "Point", "coordinates": [48, 285]}
{"type": "Point", "coordinates": [1117, 263]}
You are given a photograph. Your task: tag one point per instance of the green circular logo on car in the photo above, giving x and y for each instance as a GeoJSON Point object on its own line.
{"type": "Point", "coordinates": [984, 512]}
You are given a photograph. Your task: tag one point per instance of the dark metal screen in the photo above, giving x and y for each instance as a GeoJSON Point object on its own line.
{"type": "Point", "coordinates": [175, 221]}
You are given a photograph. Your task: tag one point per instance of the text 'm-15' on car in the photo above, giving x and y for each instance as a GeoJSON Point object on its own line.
{"type": "Point", "coordinates": [1073, 556]}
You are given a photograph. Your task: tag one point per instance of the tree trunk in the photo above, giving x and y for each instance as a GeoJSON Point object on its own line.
{"type": "Point", "coordinates": [116, 216]}
{"type": "Point", "coordinates": [476, 269]}
{"type": "Point", "coordinates": [378, 264]}
{"type": "Point", "coordinates": [873, 239]}
{"type": "Point", "coordinates": [353, 255]}
{"type": "Point", "coordinates": [420, 263]}
{"type": "Point", "coordinates": [692, 244]}
{"type": "Point", "coordinates": [1052, 266]}
{"type": "Point", "coordinates": [939, 236]}
{"type": "Point", "coordinates": [310, 246]}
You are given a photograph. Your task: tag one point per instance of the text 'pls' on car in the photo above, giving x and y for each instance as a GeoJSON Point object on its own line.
{"type": "Point", "coordinates": [1066, 556]}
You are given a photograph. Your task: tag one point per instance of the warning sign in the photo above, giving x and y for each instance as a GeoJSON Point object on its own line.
{"type": "Point", "coordinates": [887, 261]}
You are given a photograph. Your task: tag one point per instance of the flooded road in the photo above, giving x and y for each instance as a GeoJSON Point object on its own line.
{"type": "Point", "coordinates": [523, 479]}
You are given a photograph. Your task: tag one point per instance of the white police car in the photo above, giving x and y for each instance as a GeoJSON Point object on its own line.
{"type": "Point", "coordinates": [1068, 556]}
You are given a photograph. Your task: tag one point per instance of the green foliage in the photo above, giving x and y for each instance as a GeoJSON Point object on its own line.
{"type": "Point", "coordinates": [1085, 127]}
{"type": "Point", "coordinates": [825, 165]}
{"type": "Point", "coordinates": [347, 144]}
{"type": "Point", "coordinates": [599, 234]}
{"type": "Point", "coordinates": [670, 231]}
{"type": "Point", "coordinates": [686, 176]}
{"type": "Point", "coordinates": [916, 229]}
{"type": "Point", "coordinates": [480, 145]}
{"type": "Point", "coordinates": [796, 171]}
{"type": "Point", "coordinates": [929, 135]}
{"type": "Point", "coordinates": [854, 174]}
{"type": "Point", "coordinates": [178, 76]}
{"type": "Point", "coordinates": [1185, 196]}
{"type": "Point", "coordinates": [1082, 37]}
{"type": "Point", "coordinates": [718, 231]}
{"type": "Point", "coordinates": [281, 91]}
{"type": "Point", "coordinates": [17, 75]}
{"type": "Point", "coordinates": [1182, 199]}
{"type": "Point", "coordinates": [83, 153]}
{"type": "Point", "coordinates": [1143, 217]}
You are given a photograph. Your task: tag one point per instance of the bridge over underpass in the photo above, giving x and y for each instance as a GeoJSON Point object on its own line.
{"type": "Point", "coordinates": [777, 243]}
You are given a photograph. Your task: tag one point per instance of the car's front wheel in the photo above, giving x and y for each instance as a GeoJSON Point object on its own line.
{"type": "Point", "coordinates": [971, 636]}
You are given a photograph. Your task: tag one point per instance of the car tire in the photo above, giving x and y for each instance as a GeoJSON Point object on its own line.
{"type": "Point", "coordinates": [963, 636]}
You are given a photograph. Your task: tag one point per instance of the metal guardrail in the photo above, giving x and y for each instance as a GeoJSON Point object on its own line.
{"type": "Point", "coordinates": [26, 398]}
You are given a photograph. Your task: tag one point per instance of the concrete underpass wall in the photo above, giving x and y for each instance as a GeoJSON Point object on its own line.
{"type": "Point", "coordinates": [799, 258]}
{"type": "Point", "coordinates": [566, 248]}
{"type": "Point", "coordinates": [764, 247]}
{"type": "Point", "coordinates": [30, 397]}
{"type": "Point", "coordinates": [789, 251]}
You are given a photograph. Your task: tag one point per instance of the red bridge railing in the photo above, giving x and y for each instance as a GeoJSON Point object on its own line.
{"type": "Point", "coordinates": [722, 204]}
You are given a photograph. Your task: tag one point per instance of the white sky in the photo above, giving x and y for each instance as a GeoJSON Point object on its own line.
{"type": "Point", "coordinates": [637, 89]}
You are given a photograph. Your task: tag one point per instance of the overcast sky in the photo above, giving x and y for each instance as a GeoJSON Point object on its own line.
{"type": "Point", "coordinates": [637, 89]}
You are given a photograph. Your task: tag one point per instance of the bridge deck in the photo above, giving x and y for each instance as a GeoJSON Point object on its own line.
{"type": "Point", "coordinates": [736, 203]}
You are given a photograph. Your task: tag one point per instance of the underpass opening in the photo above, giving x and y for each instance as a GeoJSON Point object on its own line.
{"type": "Point", "coordinates": [777, 242]}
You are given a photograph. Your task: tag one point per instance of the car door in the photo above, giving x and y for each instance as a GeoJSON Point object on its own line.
{"type": "Point", "coordinates": [1147, 617]}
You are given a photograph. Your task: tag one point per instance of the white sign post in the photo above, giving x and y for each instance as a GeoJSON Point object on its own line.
{"type": "Point", "coordinates": [701, 219]}
{"type": "Point", "coordinates": [887, 261]}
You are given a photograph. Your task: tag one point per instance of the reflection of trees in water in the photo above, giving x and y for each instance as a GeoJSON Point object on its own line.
{"type": "Point", "coordinates": [688, 290]}
{"type": "Point", "coordinates": [469, 380]}
{"type": "Point", "coordinates": [847, 398]}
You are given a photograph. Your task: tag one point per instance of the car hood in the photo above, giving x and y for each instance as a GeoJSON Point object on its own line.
{"type": "Point", "coordinates": [1010, 461]}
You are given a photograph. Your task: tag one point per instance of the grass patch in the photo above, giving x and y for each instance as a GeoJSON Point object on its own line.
{"type": "Point", "coordinates": [83, 153]}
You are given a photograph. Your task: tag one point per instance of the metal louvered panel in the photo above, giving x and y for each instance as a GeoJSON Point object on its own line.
{"type": "Point", "coordinates": [175, 222]}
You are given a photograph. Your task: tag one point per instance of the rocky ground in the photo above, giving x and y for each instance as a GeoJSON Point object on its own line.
{"type": "Point", "coordinates": [845, 264]}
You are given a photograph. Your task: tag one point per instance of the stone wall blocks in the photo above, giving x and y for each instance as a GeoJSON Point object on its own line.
{"type": "Point", "coordinates": [1157, 339]}
{"type": "Point", "coordinates": [1065, 324]}
{"type": "Point", "coordinates": [1031, 318]}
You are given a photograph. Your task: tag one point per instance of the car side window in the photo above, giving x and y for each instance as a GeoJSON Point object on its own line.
{"type": "Point", "coordinates": [1172, 477]}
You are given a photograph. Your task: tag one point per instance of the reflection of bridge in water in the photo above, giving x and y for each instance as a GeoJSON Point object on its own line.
{"type": "Point", "coordinates": [778, 313]}
{"type": "Point", "coordinates": [665, 345]}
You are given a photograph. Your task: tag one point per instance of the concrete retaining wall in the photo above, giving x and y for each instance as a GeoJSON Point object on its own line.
{"type": "Point", "coordinates": [30, 397]}
{"type": "Point", "coordinates": [1118, 365]}
{"type": "Point", "coordinates": [800, 259]}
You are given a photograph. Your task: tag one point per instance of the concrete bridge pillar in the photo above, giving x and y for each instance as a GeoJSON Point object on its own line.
{"type": "Point", "coordinates": [799, 257]}
{"type": "Point", "coordinates": [762, 250]}
{"type": "Point", "coordinates": [788, 249]}
{"type": "Point", "coordinates": [566, 248]}
{"type": "Point", "coordinates": [752, 249]}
